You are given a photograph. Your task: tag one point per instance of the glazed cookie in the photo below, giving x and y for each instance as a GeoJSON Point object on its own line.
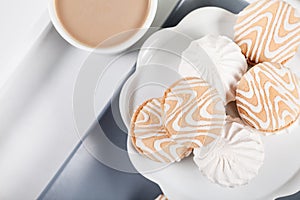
{"type": "Point", "coordinates": [161, 197]}
{"type": "Point", "coordinates": [149, 136]}
{"type": "Point", "coordinates": [194, 112]}
{"type": "Point", "coordinates": [268, 97]}
{"type": "Point", "coordinates": [268, 31]}
{"type": "Point", "coordinates": [229, 63]}
{"type": "Point", "coordinates": [235, 159]}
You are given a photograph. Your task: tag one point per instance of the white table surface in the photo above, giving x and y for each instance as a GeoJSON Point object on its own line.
{"type": "Point", "coordinates": [37, 128]}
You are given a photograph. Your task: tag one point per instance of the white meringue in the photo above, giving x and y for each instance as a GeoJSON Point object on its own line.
{"type": "Point", "coordinates": [229, 64]}
{"type": "Point", "coordinates": [236, 157]}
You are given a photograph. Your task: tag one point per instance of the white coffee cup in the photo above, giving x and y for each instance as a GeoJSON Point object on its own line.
{"type": "Point", "coordinates": [139, 33]}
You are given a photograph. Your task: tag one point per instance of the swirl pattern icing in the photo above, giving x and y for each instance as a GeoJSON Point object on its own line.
{"type": "Point", "coordinates": [194, 112]}
{"type": "Point", "coordinates": [161, 197]}
{"type": "Point", "coordinates": [149, 136]}
{"type": "Point", "coordinates": [268, 97]}
{"type": "Point", "coordinates": [235, 159]}
{"type": "Point", "coordinates": [268, 31]}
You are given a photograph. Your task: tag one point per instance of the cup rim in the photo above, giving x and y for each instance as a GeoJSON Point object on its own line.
{"type": "Point", "coordinates": [109, 50]}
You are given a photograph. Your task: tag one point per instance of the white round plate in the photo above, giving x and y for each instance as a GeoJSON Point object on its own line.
{"type": "Point", "coordinates": [280, 173]}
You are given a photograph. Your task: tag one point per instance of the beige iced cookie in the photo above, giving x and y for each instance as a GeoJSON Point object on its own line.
{"type": "Point", "coordinates": [268, 97]}
{"type": "Point", "coordinates": [194, 112]}
{"type": "Point", "coordinates": [268, 31]}
{"type": "Point", "coordinates": [149, 136]}
{"type": "Point", "coordinates": [161, 197]}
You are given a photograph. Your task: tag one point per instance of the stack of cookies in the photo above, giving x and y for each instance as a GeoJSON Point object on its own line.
{"type": "Point", "coordinates": [189, 115]}
{"type": "Point", "coordinates": [268, 33]}
{"type": "Point", "coordinates": [250, 79]}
